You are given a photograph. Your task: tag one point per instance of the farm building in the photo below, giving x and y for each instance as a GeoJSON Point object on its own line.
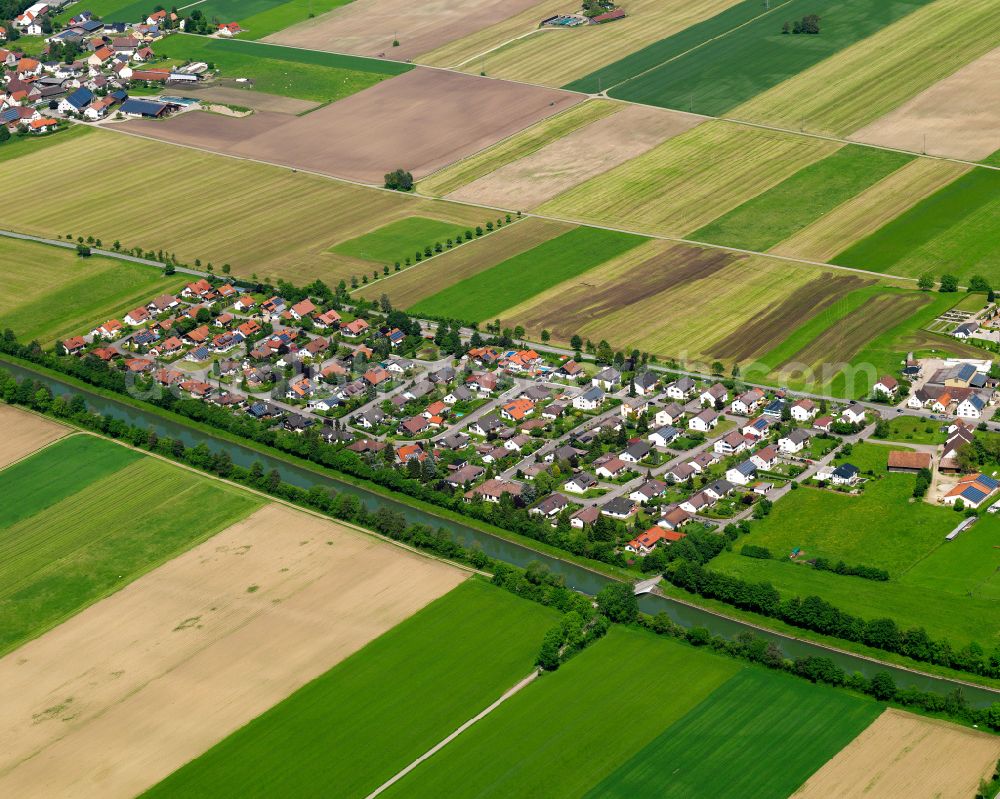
{"type": "Point", "coordinates": [904, 461]}
{"type": "Point", "coordinates": [145, 108]}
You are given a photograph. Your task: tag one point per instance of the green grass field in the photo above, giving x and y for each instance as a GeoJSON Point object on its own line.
{"type": "Point", "coordinates": [399, 240]}
{"type": "Point", "coordinates": [771, 217]}
{"type": "Point", "coordinates": [570, 729]}
{"type": "Point", "coordinates": [351, 729]}
{"type": "Point", "coordinates": [916, 430]}
{"type": "Point", "coordinates": [98, 539]}
{"type": "Point", "coordinates": [747, 60]}
{"type": "Point", "coordinates": [306, 74]}
{"type": "Point", "coordinates": [881, 527]}
{"type": "Point", "coordinates": [761, 734]}
{"type": "Point", "coordinates": [955, 230]}
{"type": "Point", "coordinates": [283, 15]}
{"type": "Point", "coordinates": [968, 566]}
{"type": "Point", "coordinates": [486, 294]}
{"type": "Point", "coordinates": [671, 47]}
{"type": "Point", "coordinates": [57, 472]}
{"type": "Point", "coordinates": [17, 146]}
{"type": "Point", "coordinates": [51, 293]}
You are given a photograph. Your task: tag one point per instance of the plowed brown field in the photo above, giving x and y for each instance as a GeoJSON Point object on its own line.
{"type": "Point", "coordinates": [23, 433]}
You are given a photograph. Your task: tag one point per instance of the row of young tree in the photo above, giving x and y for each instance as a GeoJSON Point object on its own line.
{"type": "Point", "coordinates": [816, 614]}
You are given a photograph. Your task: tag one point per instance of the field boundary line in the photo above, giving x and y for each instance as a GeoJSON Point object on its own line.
{"type": "Point", "coordinates": [485, 53]}
{"type": "Point", "coordinates": [443, 743]}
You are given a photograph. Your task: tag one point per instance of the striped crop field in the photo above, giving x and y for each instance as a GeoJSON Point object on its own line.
{"type": "Point", "coordinates": [865, 213]}
{"type": "Point", "coordinates": [808, 195]}
{"type": "Point", "coordinates": [875, 75]}
{"type": "Point", "coordinates": [281, 226]}
{"type": "Point", "coordinates": [689, 180]}
{"type": "Point", "coordinates": [954, 230]}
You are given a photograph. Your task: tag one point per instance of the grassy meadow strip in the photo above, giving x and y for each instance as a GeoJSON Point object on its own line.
{"type": "Point", "coordinates": [956, 230]}
{"type": "Point", "coordinates": [55, 473]}
{"type": "Point", "coordinates": [493, 290]}
{"type": "Point", "coordinates": [761, 734]}
{"type": "Point", "coordinates": [813, 191]}
{"type": "Point", "coordinates": [102, 537]}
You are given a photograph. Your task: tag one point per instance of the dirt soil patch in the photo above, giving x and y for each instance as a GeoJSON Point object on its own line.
{"type": "Point", "coordinates": [905, 755]}
{"type": "Point", "coordinates": [420, 121]}
{"type": "Point", "coordinates": [772, 327]}
{"type": "Point", "coordinates": [645, 272]}
{"type": "Point", "coordinates": [959, 116]}
{"type": "Point", "coordinates": [368, 27]}
{"type": "Point", "coordinates": [259, 101]}
{"type": "Point", "coordinates": [23, 433]}
{"type": "Point", "coordinates": [121, 695]}
{"type": "Point", "coordinates": [583, 154]}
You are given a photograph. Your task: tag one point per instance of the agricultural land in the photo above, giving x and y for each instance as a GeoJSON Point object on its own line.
{"type": "Point", "coordinates": [359, 723]}
{"type": "Point", "coordinates": [25, 433]}
{"type": "Point", "coordinates": [199, 647]}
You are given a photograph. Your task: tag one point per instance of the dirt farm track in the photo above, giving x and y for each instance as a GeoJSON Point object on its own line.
{"type": "Point", "coordinates": [121, 695]}
{"type": "Point", "coordinates": [420, 121]}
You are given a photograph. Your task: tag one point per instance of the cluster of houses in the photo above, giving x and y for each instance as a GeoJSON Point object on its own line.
{"type": "Point", "coordinates": [109, 59]}
{"type": "Point", "coordinates": [961, 388]}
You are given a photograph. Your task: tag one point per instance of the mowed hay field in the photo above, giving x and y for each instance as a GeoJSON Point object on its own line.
{"type": "Point", "coordinates": [412, 285]}
{"type": "Point", "coordinates": [809, 194]}
{"type": "Point", "coordinates": [689, 180]}
{"type": "Point", "coordinates": [954, 230]}
{"type": "Point", "coordinates": [958, 116]}
{"type": "Point", "coordinates": [357, 725]}
{"type": "Point", "coordinates": [535, 744]}
{"type": "Point", "coordinates": [179, 659]}
{"type": "Point", "coordinates": [879, 73]}
{"type": "Point", "coordinates": [487, 293]}
{"type": "Point", "coordinates": [518, 146]}
{"type": "Point", "coordinates": [573, 159]}
{"type": "Point", "coordinates": [905, 755]}
{"type": "Point", "coordinates": [24, 433]}
{"type": "Point", "coordinates": [761, 734]}
{"type": "Point", "coordinates": [51, 293]}
{"type": "Point", "coordinates": [87, 517]}
{"type": "Point", "coordinates": [280, 225]}
{"type": "Point", "coordinates": [869, 210]}
{"type": "Point", "coordinates": [555, 57]}
{"type": "Point", "coordinates": [753, 57]}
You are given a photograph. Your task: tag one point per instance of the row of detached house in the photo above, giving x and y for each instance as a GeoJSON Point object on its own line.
{"type": "Point", "coordinates": [963, 388]}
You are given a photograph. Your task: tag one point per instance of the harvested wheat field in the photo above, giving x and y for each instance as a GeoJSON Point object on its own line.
{"type": "Point", "coordinates": [862, 215]}
{"type": "Point", "coordinates": [408, 287]}
{"type": "Point", "coordinates": [190, 652]}
{"type": "Point", "coordinates": [905, 755]}
{"type": "Point", "coordinates": [368, 27]}
{"type": "Point", "coordinates": [583, 154]}
{"type": "Point", "coordinates": [958, 117]}
{"type": "Point", "coordinates": [24, 433]}
{"type": "Point", "coordinates": [259, 101]}
{"type": "Point", "coordinates": [420, 121]}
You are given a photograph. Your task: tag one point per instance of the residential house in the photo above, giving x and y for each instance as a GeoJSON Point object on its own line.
{"type": "Point", "coordinates": [619, 508]}
{"type": "Point", "coordinates": [516, 410]}
{"type": "Point", "coordinates": [795, 441]}
{"type": "Point", "coordinates": [747, 402]}
{"type": "Point", "coordinates": [973, 490]}
{"type": "Point", "coordinates": [651, 489]}
{"type": "Point", "coordinates": [635, 452]}
{"type": "Point", "coordinates": [742, 473]}
{"type": "Point", "coordinates": [766, 458]}
{"type": "Point", "coordinates": [646, 542]}
{"type": "Point", "coordinates": [854, 413]}
{"type": "Point", "coordinates": [758, 428]}
{"type": "Point", "coordinates": [608, 379]}
{"type": "Point", "coordinates": [302, 309]}
{"type": "Point", "coordinates": [645, 384]}
{"type": "Point", "coordinates": [682, 388]}
{"type": "Point", "coordinates": [550, 506]}
{"type": "Point", "coordinates": [589, 400]}
{"type": "Point", "coordinates": [486, 425]}
{"type": "Point", "coordinates": [803, 410]}
{"type": "Point", "coordinates": [972, 407]}
{"type": "Point", "coordinates": [731, 443]}
{"type": "Point", "coordinates": [663, 436]}
{"type": "Point", "coordinates": [584, 516]}
{"type": "Point", "coordinates": [612, 468]}
{"type": "Point", "coordinates": [680, 473]}
{"type": "Point", "coordinates": [356, 329]}
{"type": "Point", "coordinates": [704, 421]}
{"type": "Point", "coordinates": [493, 489]}
{"type": "Point", "coordinates": [670, 415]}
{"type": "Point", "coordinates": [719, 488]}
{"type": "Point", "coordinates": [713, 395]}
